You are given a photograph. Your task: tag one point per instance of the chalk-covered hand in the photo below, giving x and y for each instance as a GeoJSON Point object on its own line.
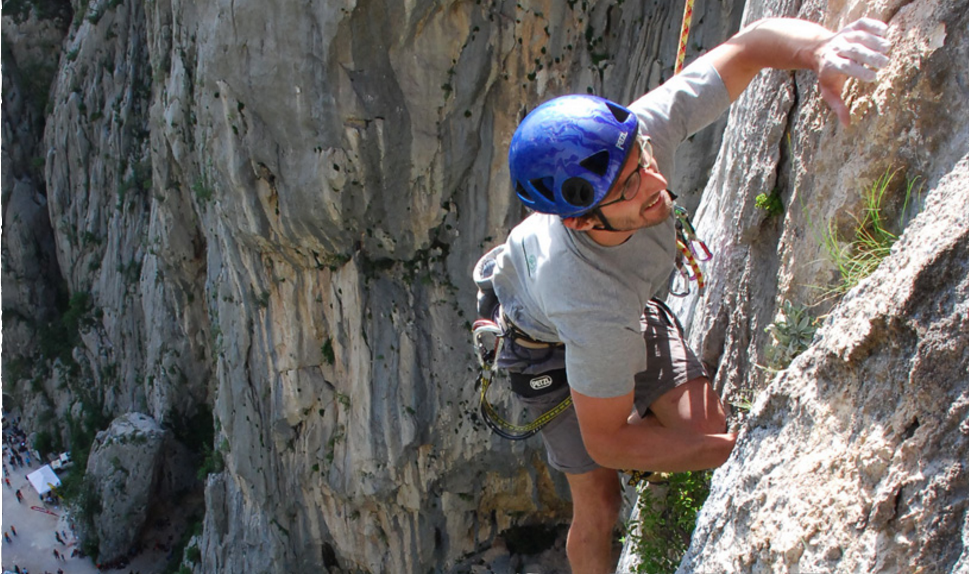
{"type": "Point", "coordinates": [858, 50]}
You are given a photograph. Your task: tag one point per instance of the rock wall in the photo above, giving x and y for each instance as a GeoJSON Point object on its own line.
{"type": "Point", "coordinates": [853, 458]}
{"type": "Point", "coordinates": [271, 211]}
{"type": "Point", "coordinates": [31, 48]}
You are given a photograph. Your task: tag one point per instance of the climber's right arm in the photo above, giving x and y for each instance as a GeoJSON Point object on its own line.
{"type": "Point", "coordinates": [856, 51]}
{"type": "Point", "coordinates": [615, 442]}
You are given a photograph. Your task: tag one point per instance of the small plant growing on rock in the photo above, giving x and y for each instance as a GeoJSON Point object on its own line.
{"type": "Point", "coordinates": [792, 333]}
{"type": "Point", "coordinates": [662, 533]}
{"type": "Point", "coordinates": [329, 356]}
{"type": "Point", "coordinates": [203, 192]}
{"type": "Point", "coordinates": [770, 203]}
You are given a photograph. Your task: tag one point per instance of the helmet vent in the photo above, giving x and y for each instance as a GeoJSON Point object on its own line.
{"type": "Point", "coordinates": [542, 187]}
{"type": "Point", "coordinates": [579, 192]}
{"type": "Point", "coordinates": [618, 112]}
{"type": "Point", "coordinates": [597, 163]}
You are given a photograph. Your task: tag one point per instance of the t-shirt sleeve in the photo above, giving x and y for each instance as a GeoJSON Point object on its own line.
{"type": "Point", "coordinates": [681, 106]}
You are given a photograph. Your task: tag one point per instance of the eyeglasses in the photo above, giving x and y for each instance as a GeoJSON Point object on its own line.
{"type": "Point", "coordinates": [630, 187]}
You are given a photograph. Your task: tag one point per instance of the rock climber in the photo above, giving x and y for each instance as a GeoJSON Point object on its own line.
{"type": "Point", "coordinates": [576, 280]}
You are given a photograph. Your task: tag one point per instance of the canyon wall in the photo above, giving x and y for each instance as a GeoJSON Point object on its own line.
{"type": "Point", "coordinates": [263, 216]}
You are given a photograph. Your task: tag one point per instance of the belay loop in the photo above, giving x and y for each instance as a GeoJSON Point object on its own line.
{"type": "Point", "coordinates": [691, 250]}
{"type": "Point", "coordinates": [488, 339]}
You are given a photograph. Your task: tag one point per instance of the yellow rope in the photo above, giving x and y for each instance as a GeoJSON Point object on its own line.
{"type": "Point", "coordinates": [684, 35]}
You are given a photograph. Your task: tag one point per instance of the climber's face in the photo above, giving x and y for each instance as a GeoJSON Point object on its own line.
{"type": "Point", "coordinates": [639, 198]}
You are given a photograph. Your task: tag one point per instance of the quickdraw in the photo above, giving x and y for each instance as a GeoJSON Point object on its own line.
{"type": "Point", "coordinates": [488, 340]}
{"type": "Point", "coordinates": [692, 250]}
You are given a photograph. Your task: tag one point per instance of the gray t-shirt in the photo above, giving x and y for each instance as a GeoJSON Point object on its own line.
{"type": "Point", "coordinates": [558, 285]}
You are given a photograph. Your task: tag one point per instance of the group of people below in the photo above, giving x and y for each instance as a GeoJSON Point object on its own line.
{"type": "Point", "coordinates": [19, 457]}
{"type": "Point", "coordinates": [16, 450]}
{"type": "Point", "coordinates": [19, 570]}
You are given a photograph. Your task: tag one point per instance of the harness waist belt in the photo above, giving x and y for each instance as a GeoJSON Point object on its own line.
{"type": "Point", "coordinates": [520, 337]}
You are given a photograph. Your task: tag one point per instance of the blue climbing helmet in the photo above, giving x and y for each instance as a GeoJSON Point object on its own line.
{"type": "Point", "coordinates": [566, 153]}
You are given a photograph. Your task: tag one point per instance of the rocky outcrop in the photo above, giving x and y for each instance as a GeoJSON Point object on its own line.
{"type": "Point", "coordinates": [124, 471]}
{"type": "Point", "coordinates": [854, 459]}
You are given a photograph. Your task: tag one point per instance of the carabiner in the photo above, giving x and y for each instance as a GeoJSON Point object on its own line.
{"type": "Point", "coordinates": [677, 277]}
{"type": "Point", "coordinates": [488, 337]}
{"type": "Point", "coordinates": [701, 254]}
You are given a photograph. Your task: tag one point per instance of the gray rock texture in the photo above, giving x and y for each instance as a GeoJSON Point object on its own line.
{"type": "Point", "coordinates": [31, 48]}
{"type": "Point", "coordinates": [854, 459]}
{"type": "Point", "coordinates": [274, 211]}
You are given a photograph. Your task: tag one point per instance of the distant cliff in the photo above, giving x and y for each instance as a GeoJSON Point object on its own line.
{"type": "Point", "coordinates": [254, 222]}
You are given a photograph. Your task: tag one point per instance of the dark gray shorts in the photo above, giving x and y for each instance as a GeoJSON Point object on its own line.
{"type": "Point", "coordinates": [670, 363]}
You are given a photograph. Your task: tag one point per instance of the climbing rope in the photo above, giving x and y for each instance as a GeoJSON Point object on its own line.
{"type": "Point", "coordinates": [684, 35]}
{"type": "Point", "coordinates": [691, 249]}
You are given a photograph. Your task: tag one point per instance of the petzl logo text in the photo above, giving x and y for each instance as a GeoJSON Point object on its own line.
{"type": "Point", "coordinates": [539, 383]}
{"type": "Point", "coordinates": [621, 140]}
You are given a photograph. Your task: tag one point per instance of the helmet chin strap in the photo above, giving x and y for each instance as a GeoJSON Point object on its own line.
{"type": "Point", "coordinates": [606, 226]}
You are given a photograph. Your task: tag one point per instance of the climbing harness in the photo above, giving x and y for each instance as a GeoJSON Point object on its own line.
{"type": "Point", "coordinates": [489, 337]}
{"type": "Point", "coordinates": [691, 250]}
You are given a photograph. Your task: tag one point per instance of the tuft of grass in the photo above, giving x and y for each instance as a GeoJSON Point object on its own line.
{"type": "Point", "coordinates": [859, 256]}
{"type": "Point", "coordinates": [329, 356]}
{"type": "Point", "coordinates": [742, 402]}
{"type": "Point", "coordinates": [203, 192]}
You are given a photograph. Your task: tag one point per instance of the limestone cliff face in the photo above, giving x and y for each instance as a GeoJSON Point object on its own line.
{"type": "Point", "coordinates": [271, 211]}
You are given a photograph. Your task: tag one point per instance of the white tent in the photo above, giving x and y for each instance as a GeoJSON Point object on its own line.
{"type": "Point", "coordinates": [43, 479]}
